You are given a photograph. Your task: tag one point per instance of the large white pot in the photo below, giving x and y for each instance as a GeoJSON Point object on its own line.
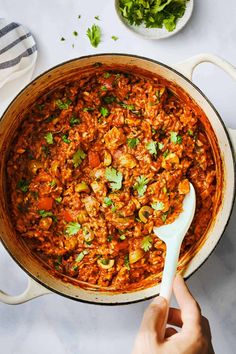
{"type": "Point", "coordinates": [40, 281]}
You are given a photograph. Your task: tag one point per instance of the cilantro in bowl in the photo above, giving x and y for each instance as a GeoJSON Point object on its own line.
{"type": "Point", "coordinates": [153, 13]}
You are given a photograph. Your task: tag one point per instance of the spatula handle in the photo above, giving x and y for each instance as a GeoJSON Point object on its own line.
{"type": "Point", "coordinates": [171, 261]}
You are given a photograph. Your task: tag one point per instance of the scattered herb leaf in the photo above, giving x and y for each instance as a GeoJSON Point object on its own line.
{"type": "Point", "coordinates": [152, 147]}
{"type": "Point", "coordinates": [133, 142]}
{"type": "Point", "coordinates": [72, 228]}
{"type": "Point", "coordinates": [94, 35]}
{"type": "Point", "coordinates": [141, 185]}
{"type": "Point", "coordinates": [158, 206]}
{"type": "Point", "coordinates": [23, 184]}
{"type": "Point", "coordinates": [65, 139]}
{"type": "Point", "coordinates": [108, 201]}
{"type": "Point", "coordinates": [146, 243]}
{"type": "Point", "coordinates": [115, 177]}
{"type": "Point", "coordinates": [175, 138]}
{"type": "Point", "coordinates": [104, 111]}
{"type": "Point", "coordinates": [78, 157]}
{"type": "Point", "coordinates": [63, 105]}
{"type": "Point", "coordinates": [115, 38]}
{"type": "Point", "coordinates": [126, 261]}
{"type": "Point", "coordinates": [49, 138]}
{"type": "Point", "coordinates": [58, 200]}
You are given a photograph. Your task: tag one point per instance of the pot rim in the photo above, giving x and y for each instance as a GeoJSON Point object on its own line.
{"type": "Point", "coordinates": [222, 124]}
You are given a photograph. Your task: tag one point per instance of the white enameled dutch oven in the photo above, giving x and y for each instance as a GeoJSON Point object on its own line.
{"type": "Point", "coordinates": [40, 280]}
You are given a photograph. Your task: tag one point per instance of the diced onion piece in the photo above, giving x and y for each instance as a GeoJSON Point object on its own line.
{"type": "Point", "coordinates": [107, 158]}
{"type": "Point", "coordinates": [184, 187]}
{"type": "Point", "coordinates": [82, 187]}
{"type": "Point", "coordinates": [106, 264]}
{"type": "Point", "coordinates": [144, 213]}
{"type": "Point", "coordinates": [127, 160]}
{"type": "Point", "coordinates": [82, 216]}
{"type": "Point", "coordinates": [136, 255]}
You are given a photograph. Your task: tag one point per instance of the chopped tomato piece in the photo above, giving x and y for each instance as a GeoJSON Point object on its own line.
{"type": "Point", "coordinates": [94, 160]}
{"type": "Point", "coordinates": [67, 216]}
{"type": "Point", "coordinates": [45, 203]}
{"type": "Point", "coordinates": [123, 245]}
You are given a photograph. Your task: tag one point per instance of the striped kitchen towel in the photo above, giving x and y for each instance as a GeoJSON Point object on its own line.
{"type": "Point", "coordinates": [18, 51]}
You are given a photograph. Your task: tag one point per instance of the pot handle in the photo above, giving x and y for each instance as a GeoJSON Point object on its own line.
{"type": "Point", "coordinates": [187, 67]}
{"type": "Point", "coordinates": [32, 291]}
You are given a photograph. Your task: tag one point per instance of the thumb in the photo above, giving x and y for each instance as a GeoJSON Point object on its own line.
{"type": "Point", "coordinates": [154, 318]}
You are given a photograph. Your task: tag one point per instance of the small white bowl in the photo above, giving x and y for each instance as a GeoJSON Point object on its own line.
{"type": "Point", "coordinates": [156, 33]}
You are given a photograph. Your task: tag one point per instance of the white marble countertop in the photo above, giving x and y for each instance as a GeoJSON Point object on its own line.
{"type": "Point", "coordinates": [53, 324]}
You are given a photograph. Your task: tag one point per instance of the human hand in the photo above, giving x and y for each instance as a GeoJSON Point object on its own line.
{"type": "Point", "coordinates": [194, 336]}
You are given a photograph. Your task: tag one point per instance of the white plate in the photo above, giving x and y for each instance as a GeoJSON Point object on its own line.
{"type": "Point", "coordinates": [157, 33]}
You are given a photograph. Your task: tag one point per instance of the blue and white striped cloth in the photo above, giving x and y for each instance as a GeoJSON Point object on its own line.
{"type": "Point", "coordinates": [18, 51]}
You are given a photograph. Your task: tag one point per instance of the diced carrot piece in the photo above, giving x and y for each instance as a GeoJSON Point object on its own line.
{"type": "Point", "coordinates": [67, 216]}
{"type": "Point", "coordinates": [94, 160]}
{"type": "Point", "coordinates": [45, 203]}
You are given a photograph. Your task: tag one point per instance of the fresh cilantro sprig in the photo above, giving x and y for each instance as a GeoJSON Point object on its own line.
{"type": "Point", "coordinates": [141, 185]}
{"type": "Point", "coordinates": [158, 206]}
{"type": "Point", "coordinates": [78, 157]}
{"type": "Point", "coordinates": [175, 138]}
{"type": "Point", "coordinates": [133, 142]}
{"type": "Point", "coordinates": [72, 228]}
{"type": "Point", "coordinates": [94, 35]}
{"type": "Point", "coordinates": [115, 177]}
{"type": "Point", "coordinates": [23, 184]}
{"type": "Point", "coordinates": [49, 138]}
{"type": "Point", "coordinates": [63, 104]}
{"type": "Point", "coordinates": [152, 147]}
{"type": "Point", "coordinates": [146, 243]}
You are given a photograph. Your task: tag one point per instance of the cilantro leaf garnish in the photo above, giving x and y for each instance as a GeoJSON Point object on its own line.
{"type": "Point", "coordinates": [175, 138]}
{"type": "Point", "coordinates": [81, 256]}
{"type": "Point", "coordinates": [115, 177]}
{"type": "Point", "coordinates": [104, 111]}
{"type": "Point", "coordinates": [63, 105]}
{"type": "Point", "coordinates": [78, 157]}
{"type": "Point", "coordinates": [23, 184]}
{"type": "Point", "coordinates": [109, 99]}
{"type": "Point", "coordinates": [141, 185]}
{"type": "Point", "coordinates": [45, 213]}
{"type": "Point", "coordinates": [94, 35]}
{"type": "Point", "coordinates": [106, 75]}
{"type": "Point", "coordinates": [65, 139]}
{"type": "Point", "coordinates": [108, 201]}
{"type": "Point", "coordinates": [49, 138]}
{"type": "Point", "coordinates": [74, 121]}
{"type": "Point", "coordinates": [158, 206]}
{"type": "Point", "coordinates": [146, 243]}
{"type": "Point", "coordinates": [103, 88]}
{"type": "Point", "coordinates": [115, 38]}
{"type": "Point", "coordinates": [72, 228]}
{"type": "Point", "coordinates": [133, 142]}
{"type": "Point", "coordinates": [126, 261]}
{"type": "Point", "coordinates": [58, 200]}
{"type": "Point", "coordinates": [152, 147]}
